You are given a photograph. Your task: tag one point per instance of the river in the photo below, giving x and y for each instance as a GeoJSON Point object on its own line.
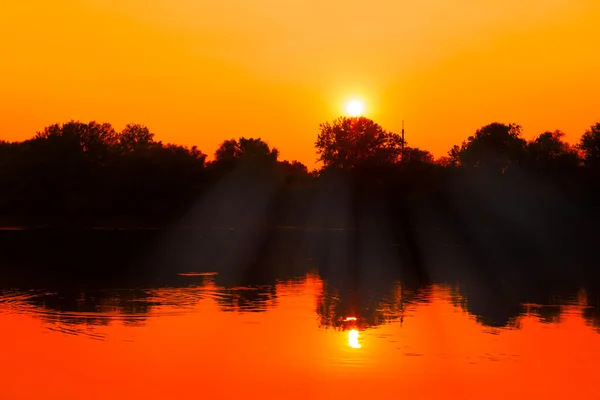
{"type": "Point", "coordinates": [296, 338]}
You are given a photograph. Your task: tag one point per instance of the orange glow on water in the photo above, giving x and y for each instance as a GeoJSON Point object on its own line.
{"type": "Point", "coordinates": [171, 350]}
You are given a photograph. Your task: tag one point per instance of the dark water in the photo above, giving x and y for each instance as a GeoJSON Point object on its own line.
{"type": "Point", "coordinates": [295, 318]}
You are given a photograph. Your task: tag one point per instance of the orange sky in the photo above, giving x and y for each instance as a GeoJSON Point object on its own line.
{"type": "Point", "coordinates": [199, 71]}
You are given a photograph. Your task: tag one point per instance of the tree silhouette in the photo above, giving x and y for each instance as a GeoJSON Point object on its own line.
{"type": "Point", "coordinates": [92, 139]}
{"type": "Point", "coordinates": [590, 146]}
{"type": "Point", "coordinates": [155, 179]}
{"type": "Point", "coordinates": [88, 173]}
{"type": "Point", "coordinates": [454, 154]}
{"type": "Point", "coordinates": [350, 142]}
{"type": "Point", "coordinates": [548, 152]}
{"type": "Point", "coordinates": [494, 147]}
{"type": "Point", "coordinates": [134, 135]}
{"type": "Point", "coordinates": [294, 171]}
{"type": "Point", "coordinates": [417, 156]}
{"type": "Point", "coordinates": [247, 149]}
{"type": "Point", "coordinates": [294, 167]}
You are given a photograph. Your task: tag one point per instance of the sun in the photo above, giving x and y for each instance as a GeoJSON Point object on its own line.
{"type": "Point", "coordinates": [355, 108]}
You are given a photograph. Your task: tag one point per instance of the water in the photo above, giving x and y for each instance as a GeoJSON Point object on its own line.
{"type": "Point", "coordinates": [295, 338]}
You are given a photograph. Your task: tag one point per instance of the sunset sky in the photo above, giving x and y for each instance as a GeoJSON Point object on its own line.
{"type": "Point", "coordinates": [199, 71]}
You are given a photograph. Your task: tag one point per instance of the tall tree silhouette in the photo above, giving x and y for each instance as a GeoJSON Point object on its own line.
{"type": "Point", "coordinates": [350, 142]}
{"type": "Point", "coordinates": [93, 139]}
{"type": "Point", "coordinates": [494, 147]}
{"type": "Point", "coordinates": [86, 172]}
{"type": "Point", "coordinates": [416, 155]}
{"type": "Point", "coordinates": [548, 152]}
{"type": "Point", "coordinates": [134, 135]}
{"type": "Point", "coordinates": [590, 146]}
{"type": "Point", "coordinates": [246, 149]}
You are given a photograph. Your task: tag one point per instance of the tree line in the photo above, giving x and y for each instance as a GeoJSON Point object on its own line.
{"type": "Point", "coordinates": [87, 173]}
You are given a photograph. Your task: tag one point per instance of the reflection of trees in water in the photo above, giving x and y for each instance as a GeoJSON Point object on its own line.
{"type": "Point", "coordinates": [130, 307]}
{"type": "Point", "coordinates": [592, 317]}
{"type": "Point", "coordinates": [550, 307]}
{"type": "Point", "coordinates": [591, 311]}
{"type": "Point", "coordinates": [368, 286]}
{"type": "Point", "coordinates": [122, 301]}
{"type": "Point", "coordinates": [247, 299]}
{"type": "Point", "coordinates": [491, 315]}
{"type": "Point", "coordinates": [79, 311]}
{"type": "Point", "coordinates": [495, 312]}
{"type": "Point", "coordinates": [335, 306]}
{"type": "Point", "coordinates": [546, 314]}
{"type": "Point", "coordinates": [553, 311]}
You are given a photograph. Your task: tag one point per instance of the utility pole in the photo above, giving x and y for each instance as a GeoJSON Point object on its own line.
{"type": "Point", "coordinates": [402, 156]}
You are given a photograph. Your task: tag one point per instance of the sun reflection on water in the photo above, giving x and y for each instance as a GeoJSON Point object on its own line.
{"type": "Point", "coordinates": [353, 339]}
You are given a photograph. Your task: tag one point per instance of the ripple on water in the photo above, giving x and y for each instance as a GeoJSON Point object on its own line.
{"type": "Point", "coordinates": [83, 313]}
{"type": "Point", "coordinates": [11, 301]}
{"type": "Point", "coordinates": [89, 309]}
{"type": "Point", "coordinates": [190, 274]}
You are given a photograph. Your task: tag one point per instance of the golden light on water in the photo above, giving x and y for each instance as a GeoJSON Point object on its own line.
{"type": "Point", "coordinates": [353, 339]}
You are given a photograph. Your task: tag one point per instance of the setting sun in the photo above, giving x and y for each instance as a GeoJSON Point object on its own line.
{"type": "Point", "coordinates": [355, 108]}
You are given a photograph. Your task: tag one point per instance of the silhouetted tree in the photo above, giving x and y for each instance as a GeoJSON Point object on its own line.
{"type": "Point", "coordinates": [357, 141]}
{"type": "Point", "coordinates": [155, 179]}
{"type": "Point", "coordinates": [247, 149]}
{"type": "Point", "coordinates": [88, 173]}
{"type": "Point", "coordinates": [590, 146]}
{"type": "Point", "coordinates": [494, 147]}
{"type": "Point", "coordinates": [92, 139]}
{"type": "Point", "coordinates": [134, 135]}
{"type": "Point", "coordinates": [84, 172]}
{"type": "Point", "coordinates": [294, 167]}
{"type": "Point", "coordinates": [415, 155]}
{"type": "Point", "coordinates": [452, 159]}
{"type": "Point", "coordinates": [293, 171]}
{"type": "Point", "coordinates": [548, 152]}
{"type": "Point", "coordinates": [60, 169]}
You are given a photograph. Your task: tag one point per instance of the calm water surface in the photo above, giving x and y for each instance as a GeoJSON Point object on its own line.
{"type": "Point", "coordinates": [295, 339]}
